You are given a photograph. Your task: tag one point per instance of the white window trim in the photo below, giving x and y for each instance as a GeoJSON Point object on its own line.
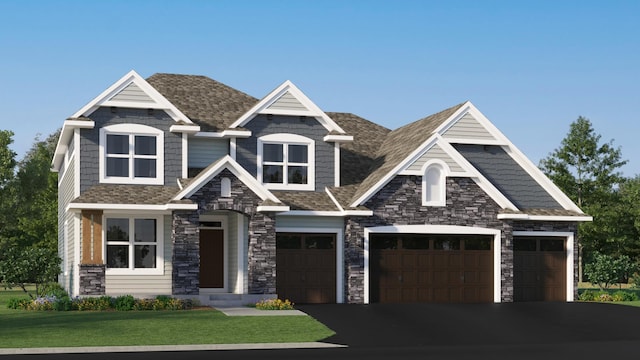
{"type": "Point", "coordinates": [131, 130]}
{"type": "Point", "coordinates": [444, 172]}
{"type": "Point", "coordinates": [159, 269]}
{"type": "Point", "coordinates": [288, 139]}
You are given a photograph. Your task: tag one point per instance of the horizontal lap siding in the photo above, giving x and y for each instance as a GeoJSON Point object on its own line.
{"type": "Point", "coordinates": [435, 153]}
{"type": "Point", "coordinates": [145, 284]}
{"type": "Point", "coordinates": [287, 102]}
{"type": "Point", "coordinates": [468, 128]}
{"type": "Point", "coordinates": [132, 93]}
{"type": "Point", "coordinates": [309, 222]}
{"type": "Point", "coordinates": [65, 195]}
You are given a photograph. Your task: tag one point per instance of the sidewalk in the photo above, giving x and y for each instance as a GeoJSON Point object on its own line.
{"type": "Point", "coordinates": [208, 347]}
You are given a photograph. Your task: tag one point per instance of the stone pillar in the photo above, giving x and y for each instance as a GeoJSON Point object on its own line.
{"type": "Point", "coordinates": [92, 279]}
{"type": "Point", "coordinates": [262, 252]}
{"type": "Point", "coordinates": [186, 253]}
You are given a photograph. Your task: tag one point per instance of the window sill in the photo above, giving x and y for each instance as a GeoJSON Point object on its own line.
{"type": "Point", "coordinates": [295, 187]}
{"type": "Point", "coordinates": [130, 181]}
{"type": "Point", "coordinates": [134, 272]}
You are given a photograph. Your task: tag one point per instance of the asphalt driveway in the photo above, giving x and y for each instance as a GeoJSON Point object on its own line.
{"type": "Point", "coordinates": [411, 325]}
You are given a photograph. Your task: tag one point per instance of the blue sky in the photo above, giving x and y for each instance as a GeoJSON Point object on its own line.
{"type": "Point", "coordinates": [532, 67]}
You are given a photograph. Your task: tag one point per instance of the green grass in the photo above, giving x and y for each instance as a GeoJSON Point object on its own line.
{"type": "Point", "coordinates": [28, 329]}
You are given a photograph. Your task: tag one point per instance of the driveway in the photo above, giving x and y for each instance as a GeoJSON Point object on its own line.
{"type": "Point", "coordinates": [411, 325]}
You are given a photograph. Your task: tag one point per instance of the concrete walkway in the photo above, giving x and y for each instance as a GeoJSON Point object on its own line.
{"type": "Point", "coordinates": [124, 349]}
{"type": "Point", "coordinates": [251, 311]}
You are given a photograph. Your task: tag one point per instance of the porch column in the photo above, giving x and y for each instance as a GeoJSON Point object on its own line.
{"type": "Point", "coordinates": [186, 253]}
{"type": "Point", "coordinates": [262, 253]}
{"type": "Point", "coordinates": [92, 267]}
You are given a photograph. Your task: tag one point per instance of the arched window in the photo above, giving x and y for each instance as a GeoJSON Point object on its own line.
{"type": "Point", "coordinates": [434, 185]}
{"type": "Point", "coordinates": [225, 187]}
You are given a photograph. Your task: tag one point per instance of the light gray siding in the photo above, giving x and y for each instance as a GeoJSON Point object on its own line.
{"type": "Point", "coordinates": [146, 285]}
{"type": "Point", "coordinates": [204, 151]}
{"type": "Point", "coordinates": [308, 127]}
{"type": "Point", "coordinates": [65, 195]}
{"type": "Point", "coordinates": [287, 102]}
{"type": "Point", "coordinates": [132, 93]}
{"type": "Point", "coordinates": [435, 153]}
{"type": "Point", "coordinates": [329, 222]}
{"type": "Point", "coordinates": [508, 177]}
{"type": "Point", "coordinates": [90, 142]}
{"type": "Point", "coordinates": [468, 128]}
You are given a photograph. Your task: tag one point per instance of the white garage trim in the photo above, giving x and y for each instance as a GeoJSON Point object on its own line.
{"type": "Point", "coordinates": [339, 253]}
{"type": "Point", "coordinates": [438, 229]}
{"type": "Point", "coordinates": [569, 246]}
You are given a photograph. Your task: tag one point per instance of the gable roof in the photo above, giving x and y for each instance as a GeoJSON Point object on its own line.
{"type": "Point", "coordinates": [211, 104]}
{"type": "Point", "coordinates": [397, 146]}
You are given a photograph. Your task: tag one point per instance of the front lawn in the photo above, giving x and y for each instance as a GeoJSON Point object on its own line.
{"type": "Point", "coordinates": [28, 329]}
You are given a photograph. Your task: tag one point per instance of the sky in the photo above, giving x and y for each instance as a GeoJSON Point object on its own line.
{"type": "Point", "coordinates": [531, 67]}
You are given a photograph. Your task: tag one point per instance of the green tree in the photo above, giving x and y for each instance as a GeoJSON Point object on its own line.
{"type": "Point", "coordinates": [606, 270]}
{"type": "Point", "coordinates": [21, 266]}
{"type": "Point", "coordinates": [7, 171]}
{"type": "Point", "coordinates": [588, 172]}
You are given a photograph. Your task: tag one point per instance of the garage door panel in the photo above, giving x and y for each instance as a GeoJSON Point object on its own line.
{"type": "Point", "coordinates": [539, 269]}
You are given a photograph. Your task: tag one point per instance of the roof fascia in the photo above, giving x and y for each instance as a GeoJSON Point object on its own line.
{"type": "Point", "coordinates": [130, 207]}
{"type": "Point", "coordinates": [544, 217]}
{"type": "Point", "coordinates": [160, 102]}
{"type": "Point", "coordinates": [273, 96]}
{"type": "Point", "coordinates": [189, 129]}
{"type": "Point", "coordinates": [65, 136]}
{"type": "Point", "coordinates": [226, 134]}
{"type": "Point", "coordinates": [227, 163]}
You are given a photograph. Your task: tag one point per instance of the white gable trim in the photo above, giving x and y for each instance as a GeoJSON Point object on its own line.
{"type": "Point", "coordinates": [68, 131]}
{"type": "Point", "coordinates": [159, 101]}
{"type": "Point", "coordinates": [227, 163]}
{"type": "Point", "coordinates": [313, 110]}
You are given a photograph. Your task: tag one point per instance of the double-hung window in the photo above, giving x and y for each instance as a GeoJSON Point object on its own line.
{"type": "Point", "coordinates": [131, 154]}
{"type": "Point", "coordinates": [134, 245]}
{"type": "Point", "coordinates": [286, 162]}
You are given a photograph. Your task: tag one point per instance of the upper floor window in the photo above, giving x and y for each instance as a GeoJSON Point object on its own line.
{"type": "Point", "coordinates": [434, 185]}
{"type": "Point", "coordinates": [132, 154]}
{"type": "Point", "coordinates": [286, 162]}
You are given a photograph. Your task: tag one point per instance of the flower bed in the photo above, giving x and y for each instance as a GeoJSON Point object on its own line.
{"type": "Point", "coordinates": [274, 304]}
{"type": "Point", "coordinates": [605, 296]}
{"type": "Point", "coordinates": [102, 303]}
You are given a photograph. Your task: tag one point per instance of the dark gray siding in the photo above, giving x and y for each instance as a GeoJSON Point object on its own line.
{"type": "Point", "coordinates": [90, 140]}
{"type": "Point", "coordinates": [509, 177]}
{"type": "Point", "coordinates": [324, 157]}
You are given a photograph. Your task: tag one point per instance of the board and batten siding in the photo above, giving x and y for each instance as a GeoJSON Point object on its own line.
{"type": "Point", "coordinates": [287, 102]}
{"type": "Point", "coordinates": [203, 151]}
{"type": "Point", "coordinates": [435, 153]}
{"type": "Point", "coordinates": [468, 128]}
{"type": "Point", "coordinates": [145, 285]}
{"type": "Point", "coordinates": [132, 93]}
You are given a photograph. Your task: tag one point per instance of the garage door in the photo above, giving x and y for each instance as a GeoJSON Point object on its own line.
{"type": "Point", "coordinates": [306, 267]}
{"type": "Point", "coordinates": [430, 268]}
{"type": "Point", "coordinates": [539, 269]}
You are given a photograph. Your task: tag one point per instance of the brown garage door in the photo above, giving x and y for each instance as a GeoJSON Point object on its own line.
{"type": "Point", "coordinates": [306, 267]}
{"type": "Point", "coordinates": [539, 269]}
{"type": "Point", "coordinates": [431, 268]}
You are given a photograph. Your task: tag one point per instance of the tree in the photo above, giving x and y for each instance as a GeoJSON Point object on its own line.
{"type": "Point", "coordinates": [7, 171]}
{"type": "Point", "coordinates": [588, 172]}
{"type": "Point", "coordinates": [606, 270]}
{"type": "Point", "coordinates": [29, 265]}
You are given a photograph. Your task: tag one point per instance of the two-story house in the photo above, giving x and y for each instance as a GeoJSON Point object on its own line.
{"type": "Point", "coordinates": [183, 186]}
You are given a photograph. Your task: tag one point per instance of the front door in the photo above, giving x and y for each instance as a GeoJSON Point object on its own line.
{"type": "Point", "coordinates": [211, 258]}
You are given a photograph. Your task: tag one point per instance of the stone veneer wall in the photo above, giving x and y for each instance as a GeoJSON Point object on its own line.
{"type": "Point", "coordinates": [92, 279]}
{"type": "Point", "coordinates": [262, 237]}
{"type": "Point", "coordinates": [400, 203]}
{"type": "Point", "coordinates": [554, 226]}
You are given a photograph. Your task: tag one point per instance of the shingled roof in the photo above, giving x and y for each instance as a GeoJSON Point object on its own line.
{"type": "Point", "coordinates": [357, 157]}
{"type": "Point", "coordinates": [212, 105]}
{"type": "Point", "coordinates": [128, 194]}
{"type": "Point", "coordinates": [400, 143]}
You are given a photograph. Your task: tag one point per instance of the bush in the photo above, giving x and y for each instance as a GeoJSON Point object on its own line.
{"type": "Point", "coordinates": [124, 303]}
{"type": "Point", "coordinates": [94, 303]}
{"type": "Point", "coordinates": [274, 304]}
{"type": "Point", "coordinates": [55, 289]}
{"type": "Point", "coordinates": [624, 296]}
{"type": "Point", "coordinates": [63, 304]}
{"type": "Point", "coordinates": [587, 295]}
{"type": "Point", "coordinates": [17, 303]}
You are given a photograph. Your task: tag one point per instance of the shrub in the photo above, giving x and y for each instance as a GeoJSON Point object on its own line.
{"type": "Point", "coordinates": [63, 304]}
{"type": "Point", "coordinates": [604, 296]}
{"type": "Point", "coordinates": [17, 303]}
{"type": "Point", "coordinates": [274, 304]}
{"type": "Point", "coordinates": [94, 303]}
{"type": "Point", "coordinates": [624, 296]}
{"type": "Point", "coordinates": [587, 295]}
{"type": "Point", "coordinates": [124, 303]}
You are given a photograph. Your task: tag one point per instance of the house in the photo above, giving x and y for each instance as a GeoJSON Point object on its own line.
{"type": "Point", "coordinates": [181, 185]}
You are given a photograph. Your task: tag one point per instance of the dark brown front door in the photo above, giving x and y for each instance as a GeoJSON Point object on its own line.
{"type": "Point", "coordinates": [539, 269]}
{"type": "Point", "coordinates": [407, 268]}
{"type": "Point", "coordinates": [306, 267]}
{"type": "Point", "coordinates": [211, 258]}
